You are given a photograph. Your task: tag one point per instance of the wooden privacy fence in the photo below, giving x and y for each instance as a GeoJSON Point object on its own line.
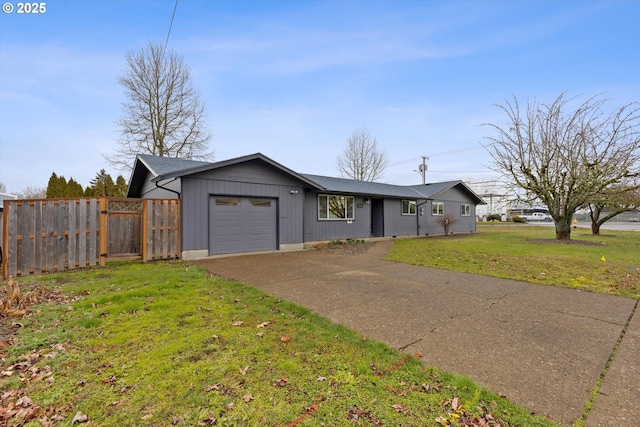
{"type": "Point", "coordinates": [48, 235]}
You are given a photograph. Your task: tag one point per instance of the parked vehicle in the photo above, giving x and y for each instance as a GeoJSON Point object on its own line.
{"type": "Point", "coordinates": [536, 216]}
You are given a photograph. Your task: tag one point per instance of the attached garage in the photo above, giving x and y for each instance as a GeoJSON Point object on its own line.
{"type": "Point", "coordinates": [242, 224]}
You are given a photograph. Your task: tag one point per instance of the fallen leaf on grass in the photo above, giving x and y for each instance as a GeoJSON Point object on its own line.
{"type": "Point", "coordinates": [79, 417]}
{"type": "Point", "coordinates": [285, 339]}
{"type": "Point", "coordinates": [230, 406]}
{"type": "Point", "coordinates": [24, 402]}
{"type": "Point", "coordinates": [281, 382]}
{"type": "Point", "coordinates": [455, 403]}
{"type": "Point", "coordinates": [243, 371]}
{"type": "Point", "coordinates": [238, 323]}
{"type": "Point", "coordinates": [247, 398]}
{"type": "Point", "coordinates": [399, 408]}
{"type": "Point", "coordinates": [263, 325]}
{"type": "Point", "coordinates": [210, 421]}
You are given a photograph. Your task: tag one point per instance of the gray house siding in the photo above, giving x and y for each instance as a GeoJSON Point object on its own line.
{"type": "Point", "coordinates": [316, 229]}
{"type": "Point", "coordinates": [452, 198]}
{"type": "Point", "coordinates": [397, 224]}
{"type": "Point", "coordinates": [262, 182]}
{"type": "Point", "coordinates": [151, 191]}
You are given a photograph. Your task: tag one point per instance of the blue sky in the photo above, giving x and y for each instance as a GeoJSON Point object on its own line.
{"type": "Point", "coordinates": [294, 79]}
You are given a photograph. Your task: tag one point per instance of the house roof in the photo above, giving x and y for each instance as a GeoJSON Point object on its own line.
{"type": "Point", "coordinates": [163, 165]}
{"type": "Point", "coordinates": [7, 196]}
{"type": "Point", "coordinates": [427, 191]}
{"type": "Point", "coordinates": [165, 168]}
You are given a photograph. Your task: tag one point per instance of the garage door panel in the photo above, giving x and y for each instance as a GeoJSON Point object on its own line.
{"type": "Point", "coordinates": [239, 224]}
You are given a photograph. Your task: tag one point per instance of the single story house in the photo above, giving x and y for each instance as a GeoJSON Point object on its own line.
{"type": "Point", "coordinates": [253, 203]}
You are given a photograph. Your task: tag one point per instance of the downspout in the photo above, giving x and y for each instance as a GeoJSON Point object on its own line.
{"type": "Point", "coordinates": [168, 189]}
{"type": "Point", "coordinates": [418, 216]}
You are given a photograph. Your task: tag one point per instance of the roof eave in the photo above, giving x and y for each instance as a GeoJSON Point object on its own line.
{"type": "Point", "coordinates": [230, 162]}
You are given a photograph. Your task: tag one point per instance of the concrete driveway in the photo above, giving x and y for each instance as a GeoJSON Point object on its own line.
{"type": "Point", "coordinates": [543, 347]}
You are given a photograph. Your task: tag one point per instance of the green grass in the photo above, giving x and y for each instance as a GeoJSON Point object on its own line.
{"type": "Point", "coordinates": [167, 344]}
{"type": "Point", "coordinates": [608, 264]}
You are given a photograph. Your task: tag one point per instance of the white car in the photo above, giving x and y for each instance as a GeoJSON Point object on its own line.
{"type": "Point", "coordinates": [536, 216]}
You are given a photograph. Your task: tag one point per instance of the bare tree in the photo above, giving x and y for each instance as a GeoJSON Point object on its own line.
{"type": "Point", "coordinates": [446, 221]}
{"type": "Point", "coordinates": [362, 160]}
{"type": "Point", "coordinates": [3, 188]}
{"type": "Point", "coordinates": [565, 158]}
{"type": "Point", "coordinates": [31, 192]}
{"type": "Point", "coordinates": [609, 205]}
{"type": "Point", "coordinates": [163, 114]}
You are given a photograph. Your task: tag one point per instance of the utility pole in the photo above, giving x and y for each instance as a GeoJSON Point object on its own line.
{"type": "Point", "coordinates": [423, 169]}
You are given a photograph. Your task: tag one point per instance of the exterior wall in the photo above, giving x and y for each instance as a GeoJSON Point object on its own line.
{"type": "Point", "coordinates": [151, 191]}
{"type": "Point", "coordinates": [316, 229]}
{"type": "Point", "coordinates": [453, 198]}
{"type": "Point", "coordinates": [396, 224]}
{"type": "Point", "coordinates": [253, 179]}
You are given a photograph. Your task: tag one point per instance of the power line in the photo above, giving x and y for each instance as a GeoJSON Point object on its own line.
{"type": "Point", "coordinates": [173, 15]}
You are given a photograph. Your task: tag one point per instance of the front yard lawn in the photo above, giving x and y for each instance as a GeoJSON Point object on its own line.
{"type": "Point", "coordinates": [167, 344]}
{"type": "Point", "coordinates": [609, 263]}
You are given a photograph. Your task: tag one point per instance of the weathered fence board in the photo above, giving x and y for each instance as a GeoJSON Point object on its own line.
{"type": "Point", "coordinates": [50, 235]}
{"type": "Point", "coordinates": [161, 233]}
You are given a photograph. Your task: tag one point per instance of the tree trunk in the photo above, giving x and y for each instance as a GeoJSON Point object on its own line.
{"type": "Point", "coordinates": [594, 214]}
{"type": "Point", "coordinates": [563, 229]}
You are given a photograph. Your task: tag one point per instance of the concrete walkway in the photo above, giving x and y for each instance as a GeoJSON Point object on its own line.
{"type": "Point", "coordinates": [543, 347]}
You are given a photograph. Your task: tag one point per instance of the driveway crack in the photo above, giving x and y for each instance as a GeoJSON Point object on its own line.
{"type": "Point", "coordinates": [596, 389]}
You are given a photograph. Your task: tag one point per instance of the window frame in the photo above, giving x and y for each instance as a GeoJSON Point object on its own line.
{"type": "Point", "coordinates": [465, 209]}
{"type": "Point", "coordinates": [435, 208]}
{"type": "Point", "coordinates": [411, 205]}
{"type": "Point", "coordinates": [349, 207]}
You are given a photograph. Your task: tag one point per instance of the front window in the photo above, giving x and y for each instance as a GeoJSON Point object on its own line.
{"type": "Point", "coordinates": [437, 208]}
{"type": "Point", "coordinates": [335, 207]}
{"type": "Point", "coordinates": [408, 207]}
{"type": "Point", "coordinates": [465, 209]}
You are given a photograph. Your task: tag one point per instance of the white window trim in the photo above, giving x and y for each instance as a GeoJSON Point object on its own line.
{"type": "Point", "coordinates": [411, 204]}
{"type": "Point", "coordinates": [467, 210]}
{"type": "Point", "coordinates": [435, 211]}
{"type": "Point", "coordinates": [346, 218]}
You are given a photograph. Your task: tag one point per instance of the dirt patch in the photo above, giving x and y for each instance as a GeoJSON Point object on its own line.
{"type": "Point", "coordinates": [344, 247]}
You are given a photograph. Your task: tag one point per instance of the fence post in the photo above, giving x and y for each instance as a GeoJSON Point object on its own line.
{"type": "Point", "coordinates": [103, 231]}
{"type": "Point", "coordinates": [145, 231]}
{"type": "Point", "coordinates": [4, 243]}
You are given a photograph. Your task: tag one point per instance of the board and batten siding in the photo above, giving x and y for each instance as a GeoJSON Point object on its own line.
{"type": "Point", "coordinates": [320, 230]}
{"type": "Point", "coordinates": [257, 180]}
{"type": "Point", "coordinates": [453, 198]}
{"type": "Point", "coordinates": [152, 191]}
{"type": "Point", "coordinates": [397, 224]}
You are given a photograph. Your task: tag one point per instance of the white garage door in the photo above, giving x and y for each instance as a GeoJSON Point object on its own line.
{"type": "Point", "coordinates": [242, 224]}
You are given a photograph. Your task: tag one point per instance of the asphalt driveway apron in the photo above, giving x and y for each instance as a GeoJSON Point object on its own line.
{"type": "Point", "coordinates": [543, 347]}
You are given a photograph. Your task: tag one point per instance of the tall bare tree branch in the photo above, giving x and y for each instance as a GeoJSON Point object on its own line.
{"type": "Point", "coordinates": [163, 114]}
{"type": "Point", "coordinates": [362, 160]}
{"type": "Point", "coordinates": [566, 158]}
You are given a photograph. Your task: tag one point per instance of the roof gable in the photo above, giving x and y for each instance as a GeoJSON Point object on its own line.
{"type": "Point", "coordinates": [164, 165]}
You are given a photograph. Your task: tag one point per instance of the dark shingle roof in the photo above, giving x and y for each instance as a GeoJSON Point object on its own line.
{"type": "Point", "coordinates": [164, 165]}
{"type": "Point", "coordinates": [427, 191]}
{"type": "Point", "coordinates": [342, 185]}
{"type": "Point", "coordinates": [170, 167]}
